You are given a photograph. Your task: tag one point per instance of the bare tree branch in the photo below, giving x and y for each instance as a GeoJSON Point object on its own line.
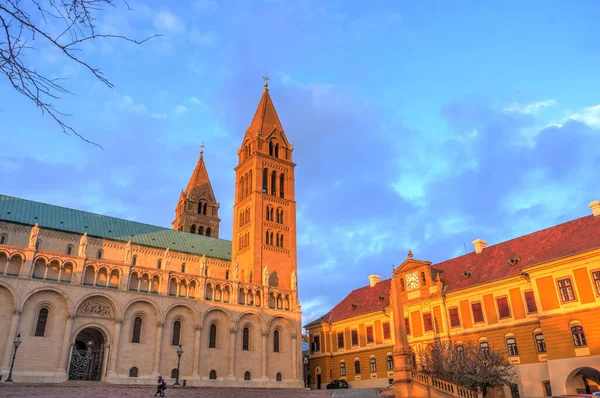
{"type": "Point", "coordinates": [18, 28]}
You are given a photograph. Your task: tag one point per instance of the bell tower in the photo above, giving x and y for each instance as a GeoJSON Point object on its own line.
{"type": "Point", "coordinates": [264, 219]}
{"type": "Point", "coordinates": [197, 210]}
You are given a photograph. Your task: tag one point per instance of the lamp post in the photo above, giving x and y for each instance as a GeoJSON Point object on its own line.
{"type": "Point", "coordinates": [179, 354]}
{"type": "Point", "coordinates": [16, 343]}
{"type": "Point", "coordinates": [306, 371]}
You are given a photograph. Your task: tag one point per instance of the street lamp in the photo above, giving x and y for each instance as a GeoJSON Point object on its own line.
{"type": "Point", "coordinates": [16, 343]}
{"type": "Point", "coordinates": [179, 354]}
{"type": "Point", "coordinates": [306, 371]}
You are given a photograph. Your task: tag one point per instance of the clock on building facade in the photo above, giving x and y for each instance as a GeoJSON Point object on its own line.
{"type": "Point", "coordinates": [412, 281]}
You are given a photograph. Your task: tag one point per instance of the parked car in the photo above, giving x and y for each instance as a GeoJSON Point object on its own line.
{"type": "Point", "coordinates": [337, 384]}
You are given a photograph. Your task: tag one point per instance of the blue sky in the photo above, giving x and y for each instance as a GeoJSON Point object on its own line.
{"type": "Point", "coordinates": [415, 126]}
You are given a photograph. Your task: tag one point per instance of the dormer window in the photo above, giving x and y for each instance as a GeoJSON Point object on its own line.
{"type": "Point", "coordinates": [423, 278]}
{"type": "Point", "coordinates": [381, 298]}
{"type": "Point", "coordinates": [513, 261]}
{"type": "Point", "coordinates": [467, 274]}
{"type": "Point", "coordinates": [354, 305]}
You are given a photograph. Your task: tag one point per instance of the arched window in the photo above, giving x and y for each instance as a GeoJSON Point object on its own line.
{"type": "Point", "coordinates": [342, 368]}
{"type": "Point", "coordinates": [133, 372]}
{"type": "Point", "coordinates": [69, 247]}
{"type": "Point", "coordinates": [42, 320]}
{"type": "Point", "coordinates": [423, 278]}
{"type": "Point", "coordinates": [276, 150]}
{"type": "Point", "coordinates": [226, 275]}
{"type": "Point", "coordinates": [174, 373]}
{"type": "Point", "coordinates": [373, 365]}
{"type": "Point", "coordinates": [137, 330]}
{"type": "Point", "coordinates": [201, 230]}
{"type": "Point", "coordinates": [159, 264]}
{"type": "Point", "coordinates": [540, 343]}
{"type": "Point", "coordinates": [265, 180]}
{"type": "Point", "coordinates": [247, 375]}
{"type": "Point", "coordinates": [278, 376]}
{"type": "Point", "coordinates": [200, 207]}
{"type": "Point", "coordinates": [246, 339]}
{"type": "Point", "coordinates": [183, 267]}
{"type": "Point", "coordinates": [273, 183]}
{"type": "Point", "coordinates": [484, 347]}
{"type": "Point", "coordinates": [276, 341]}
{"type": "Point", "coordinates": [511, 347]}
{"type": "Point", "coordinates": [282, 185]}
{"type": "Point", "coordinates": [271, 148]}
{"type": "Point", "coordinates": [250, 181]}
{"type": "Point", "coordinates": [193, 229]}
{"type": "Point", "coordinates": [212, 375]}
{"type": "Point", "coordinates": [99, 254]}
{"type": "Point", "coordinates": [357, 366]}
{"type": "Point", "coordinates": [3, 240]}
{"type": "Point", "coordinates": [401, 284]}
{"type": "Point", "coordinates": [578, 336]}
{"type": "Point", "coordinates": [176, 333]}
{"type": "Point", "coordinates": [208, 231]}
{"type": "Point", "coordinates": [390, 362]}
{"type": "Point", "coordinates": [134, 260]}
{"type": "Point", "coordinates": [212, 336]}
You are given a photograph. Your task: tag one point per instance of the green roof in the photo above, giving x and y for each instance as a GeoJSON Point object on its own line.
{"type": "Point", "coordinates": [28, 212]}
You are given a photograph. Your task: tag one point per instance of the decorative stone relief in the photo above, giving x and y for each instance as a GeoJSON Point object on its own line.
{"type": "Point", "coordinates": [35, 230]}
{"type": "Point", "coordinates": [83, 242]}
{"type": "Point", "coordinates": [96, 307]}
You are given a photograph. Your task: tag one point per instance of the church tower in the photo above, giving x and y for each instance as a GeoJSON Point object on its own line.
{"type": "Point", "coordinates": [264, 219]}
{"type": "Point", "coordinates": [198, 210]}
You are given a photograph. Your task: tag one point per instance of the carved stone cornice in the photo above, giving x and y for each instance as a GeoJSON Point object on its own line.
{"type": "Point", "coordinates": [276, 249]}
{"type": "Point", "coordinates": [274, 225]}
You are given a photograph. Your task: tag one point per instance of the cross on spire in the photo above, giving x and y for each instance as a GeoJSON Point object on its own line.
{"type": "Point", "coordinates": [202, 149]}
{"type": "Point", "coordinates": [266, 79]}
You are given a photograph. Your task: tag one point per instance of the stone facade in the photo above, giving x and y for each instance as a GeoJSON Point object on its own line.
{"type": "Point", "coordinates": [91, 307]}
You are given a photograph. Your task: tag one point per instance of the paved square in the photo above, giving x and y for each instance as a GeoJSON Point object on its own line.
{"type": "Point", "coordinates": [103, 391]}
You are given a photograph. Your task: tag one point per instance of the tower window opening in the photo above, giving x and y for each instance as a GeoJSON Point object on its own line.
{"type": "Point", "coordinates": [274, 183]}
{"type": "Point", "coordinates": [265, 181]}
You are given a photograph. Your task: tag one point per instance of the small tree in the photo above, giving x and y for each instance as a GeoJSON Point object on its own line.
{"type": "Point", "coordinates": [468, 365]}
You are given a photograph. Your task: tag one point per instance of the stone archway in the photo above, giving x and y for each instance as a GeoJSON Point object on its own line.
{"type": "Point", "coordinates": [87, 355]}
{"type": "Point", "coordinates": [584, 380]}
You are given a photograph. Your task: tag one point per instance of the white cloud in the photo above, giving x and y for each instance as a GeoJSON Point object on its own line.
{"type": "Point", "coordinates": [202, 37]}
{"type": "Point", "coordinates": [531, 108]}
{"type": "Point", "coordinates": [589, 116]}
{"type": "Point", "coordinates": [167, 21]}
{"type": "Point", "coordinates": [180, 109]}
{"type": "Point", "coordinates": [129, 104]}
{"type": "Point", "coordinates": [158, 116]}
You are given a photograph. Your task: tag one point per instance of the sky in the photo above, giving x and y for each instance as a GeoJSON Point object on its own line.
{"type": "Point", "coordinates": [416, 126]}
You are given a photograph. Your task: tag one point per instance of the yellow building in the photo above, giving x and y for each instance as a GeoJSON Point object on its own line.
{"type": "Point", "coordinates": [536, 296]}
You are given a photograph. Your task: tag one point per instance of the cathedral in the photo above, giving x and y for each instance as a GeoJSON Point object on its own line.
{"type": "Point", "coordinates": [98, 298]}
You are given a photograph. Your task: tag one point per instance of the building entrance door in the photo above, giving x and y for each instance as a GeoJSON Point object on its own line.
{"type": "Point", "coordinates": [87, 355]}
{"type": "Point", "coordinates": [318, 382]}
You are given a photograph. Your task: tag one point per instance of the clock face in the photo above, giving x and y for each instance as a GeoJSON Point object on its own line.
{"type": "Point", "coordinates": [412, 281]}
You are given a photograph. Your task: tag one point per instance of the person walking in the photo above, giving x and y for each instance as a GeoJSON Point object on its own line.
{"type": "Point", "coordinates": [161, 387]}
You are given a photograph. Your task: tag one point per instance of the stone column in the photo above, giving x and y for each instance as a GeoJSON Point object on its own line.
{"type": "Point", "coordinates": [114, 354]}
{"type": "Point", "coordinates": [14, 323]}
{"type": "Point", "coordinates": [264, 355]}
{"type": "Point", "coordinates": [26, 270]}
{"type": "Point", "coordinates": [197, 337]}
{"type": "Point", "coordinates": [231, 376]}
{"type": "Point", "coordinates": [66, 348]}
{"type": "Point", "coordinates": [294, 356]}
{"type": "Point", "coordinates": [401, 353]}
{"type": "Point", "coordinates": [157, 349]}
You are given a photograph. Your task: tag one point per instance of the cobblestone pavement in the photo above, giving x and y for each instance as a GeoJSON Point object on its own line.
{"type": "Point", "coordinates": [356, 393]}
{"type": "Point", "coordinates": [17, 391]}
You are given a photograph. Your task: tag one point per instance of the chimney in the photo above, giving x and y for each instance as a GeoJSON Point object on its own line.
{"type": "Point", "coordinates": [595, 206]}
{"type": "Point", "coordinates": [374, 279]}
{"type": "Point", "coordinates": [479, 244]}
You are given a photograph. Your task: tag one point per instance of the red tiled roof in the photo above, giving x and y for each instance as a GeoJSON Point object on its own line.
{"type": "Point", "coordinates": [549, 244]}
{"type": "Point", "coordinates": [366, 298]}
{"type": "Point", "coordinates": [572, 237]}
{"type": "Point", "coordinates": [265, 119]}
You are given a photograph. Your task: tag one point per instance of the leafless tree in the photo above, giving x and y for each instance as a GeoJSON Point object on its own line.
{"type": "Point", "coordinates": [24, 21]}
{"type": "Point", "coordinates": [468, 365]}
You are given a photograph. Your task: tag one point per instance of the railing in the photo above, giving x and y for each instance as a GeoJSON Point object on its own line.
{"type": "Point", "coordinates": [444, 386]}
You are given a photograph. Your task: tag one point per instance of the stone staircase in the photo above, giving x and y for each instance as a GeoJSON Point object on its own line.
{"type": "Point", "coordinates": [441, 388]}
